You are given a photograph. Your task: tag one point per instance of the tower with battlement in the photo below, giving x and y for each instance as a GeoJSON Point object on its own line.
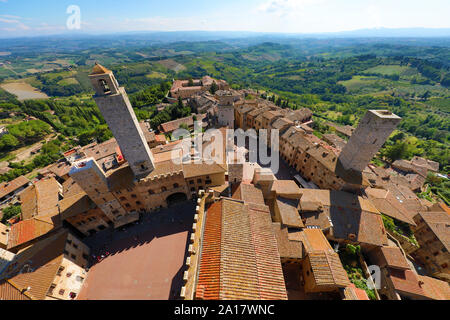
{"type": "Point", "coordinates": [372, 132]}
{"type": "Point", "coordinates": [116, 108]}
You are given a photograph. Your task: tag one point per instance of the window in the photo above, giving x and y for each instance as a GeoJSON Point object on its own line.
{"type": "Point", "coordinates": [85, 256]}
{"type": "Point", "coordinates": [75, 246]}
{"type": "Point", "coordinates": [191, 182]}
{"type": "Point", "coordinates": [138, 203]}
{"type": "Point", "coordinates": [176, 185]}
{"type": "Point", "coordinates": [163, 189]}
{"type": "Point", "coordinates": [199, 180]}
{"type": "Point", "coordinates": [73, 256]}
{"type": "Point", "coordinates": [134, 196]}
{"type": "Point", "coordinates": [435, 253]}
{"type": "Point", "coordinates": [123, 199]}
{"type": "Point", "coordinates": [193, 189]}
{"type": "Point", "coordinates": [127, 205]}
{"type": "Point", "coordinates": [69, 274]}
{"type": "Point", "coordinates": [104, 85]}
{"type": "Point", "coordinates": [208, 181]}
{"type": "Point", "coordinates": [60, 270]}
{"type": "Point", "coordinates": [61, 292]}
{"type": "Point", "coordinates": [52, 287]}
{"type": "Point", "coordinates": [151, 192]}
{"type": "Point", "coordinates": [444, 266]}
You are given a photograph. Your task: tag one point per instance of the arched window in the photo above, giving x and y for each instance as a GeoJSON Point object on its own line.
{"type": "Point", "coordinates": [163, 189]}
{"type": "Point", "coordinates": [176, 185]}
{"type": "Point", "coordinates": [104, 86]}
{"type": "Point", "coordinates": [151, 192]}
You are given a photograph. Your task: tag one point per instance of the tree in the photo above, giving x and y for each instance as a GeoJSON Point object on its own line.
{"type": "Point", "coordinates": [213, 88]}
{"type": "Point", "coordinates": [397, 151]}
{"type": "Point", "coordinates": [10, 212]}
{"type": "Point", "coordinates": [426, 95]}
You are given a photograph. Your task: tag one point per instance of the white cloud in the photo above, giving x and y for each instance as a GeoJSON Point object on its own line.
{"type": "Point", "coordinates": [18, 24]}
{"type": "Point", "coordinates": [286, 7]}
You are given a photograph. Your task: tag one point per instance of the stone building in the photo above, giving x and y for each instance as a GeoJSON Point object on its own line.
{"type": "Point", "coordinates": [182, 89]}
{"type": "Point", "coordinates": [433, 235]}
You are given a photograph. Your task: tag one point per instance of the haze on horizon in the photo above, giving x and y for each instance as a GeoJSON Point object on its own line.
{"type": "Point", "coordinates": [24, 18]}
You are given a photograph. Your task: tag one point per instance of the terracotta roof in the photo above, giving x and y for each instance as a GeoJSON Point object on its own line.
{"type": "Point", "coordinates": [315, 240]}
{"type": "Point", "coordinates": [281, 123]}
{"type": "Point", "coordinates": [428, 164]}
{"type": "Point", "coordinates": [46, 197]}
{"type": "Point", "coordinates": [327, 269]}
{"type": "Point", "coordinates": [192, 170]}
{"type": "Point", "coordinates": [288, 249]}
{"type": "Point", "coordinates": [290, 216]}
{"type": "Point", "coordinates": [435, 289]}
{"type": "Point", "coordinates": [102, 150]}
{"type": "Point", "coordinates": [28, 230]}
{"type": "Point", "coordinates": [249, 194]}
{"type": "Point", "coordinates": [208, 285]}
{"type": "Point", "coordinates": [387, 204]}
{"type": "Point", "coordinates": [149, 135]}
{"type": "Point", "coordinates": [354, 293]}
{"type": "Point", "coordinates": [389, 257]}
{"type": "Point", "coordinates": [99, 69]}
{"type": "Point", "coordinates": [60, 169]}
{"type": "Point", "coordinates": [406, 281]}
{"type": "Point", "coordinates": [350, 217]}
{"type": "Point", "coordinates": [71, 188]}
{"type": "Point", "coordinates": [44, 265]}
{"type": "Point", "coordinates": [9, 187]}
{"type": "Point", "coordinates": [335, 140]}
{"type": "Point", "coordinates": [175, 124]}
{"type": "Point", "coordinates": [285, 188]}
{"type": "Point", "coordinates": [10, 292]}
{"type": "Point", "coordinates": [250, 267]}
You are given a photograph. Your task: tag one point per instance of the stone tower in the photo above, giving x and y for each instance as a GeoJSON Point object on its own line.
{"type": "Point", "coordinates": [226, 111]}
{"type": "Point", "coordinates": [91, 178]}
{"type": "Point", "coordinates": [372, 132]}
{"type": "Point", "coordinates": [116, 108]}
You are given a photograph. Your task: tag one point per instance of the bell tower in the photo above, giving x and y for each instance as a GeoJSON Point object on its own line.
{"type": "Point", "coordinates": [116, 108]}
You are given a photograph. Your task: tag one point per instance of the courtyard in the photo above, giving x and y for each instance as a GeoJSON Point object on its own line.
{"type": "Point", "coordinates": [145, 260]}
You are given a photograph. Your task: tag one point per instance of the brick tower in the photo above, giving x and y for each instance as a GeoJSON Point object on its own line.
{"type": "Point", "coordinates": [116, 108]}
{"type": "Point", "coordinates": [372, 132]}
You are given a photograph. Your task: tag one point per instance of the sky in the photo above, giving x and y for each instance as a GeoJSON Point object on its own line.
{"type": "Point", "coordinates": [45, 17]}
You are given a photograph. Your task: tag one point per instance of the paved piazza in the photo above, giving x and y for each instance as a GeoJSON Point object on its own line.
{"type": "Point", "coordinates": [146, 260]}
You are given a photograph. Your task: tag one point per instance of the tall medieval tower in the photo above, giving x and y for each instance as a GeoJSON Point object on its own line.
{"type": "Point", "coordinates": [116, 108]}
{"type": "Point", "coordinates": [372, 132]}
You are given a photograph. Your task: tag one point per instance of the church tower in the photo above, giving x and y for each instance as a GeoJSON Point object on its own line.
{"type": "Point", "coordinates": [116, 108]}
